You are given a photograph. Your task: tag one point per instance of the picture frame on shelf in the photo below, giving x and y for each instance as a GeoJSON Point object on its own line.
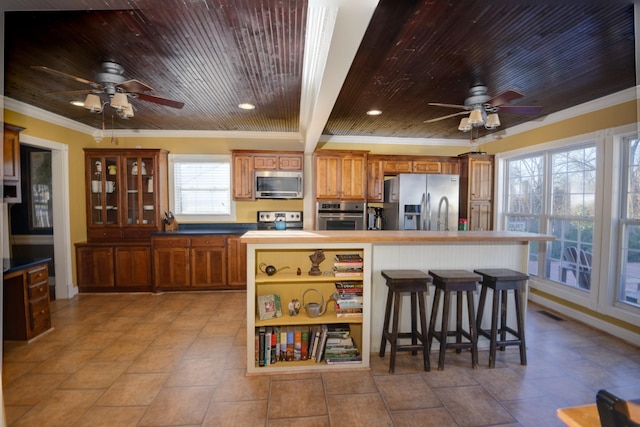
{"type": "Point", "coordinates": [269, 306]}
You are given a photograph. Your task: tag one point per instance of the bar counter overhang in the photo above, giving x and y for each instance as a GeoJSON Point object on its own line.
{"type": "Point", "coordinates": [421, 250]}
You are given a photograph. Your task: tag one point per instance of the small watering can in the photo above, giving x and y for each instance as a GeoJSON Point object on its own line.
{"type": "Point", "coordinates": [269, 270]}
{"type": "Point", "coordinates": [315, 309]}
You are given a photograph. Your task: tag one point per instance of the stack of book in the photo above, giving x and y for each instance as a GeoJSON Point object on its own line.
{"type": "Point", "coordinates": [340, 347]}
{"type": "Point", "coordinates": [282, 344]}
{"type": "Point", "coordinates": [345, 265]}
{"type": "Point", "coordinates": [349, 303]}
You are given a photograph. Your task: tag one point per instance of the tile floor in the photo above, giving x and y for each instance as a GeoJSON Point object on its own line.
{"type": "Point", "coordinates": [178, 359]}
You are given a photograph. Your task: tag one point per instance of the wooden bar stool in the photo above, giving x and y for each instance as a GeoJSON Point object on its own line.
{"type": "Point", "coordinates": [447, 282]}
{"type": "Point", "coordinates": [416, 283]}
{"type": "Point", "coordinates": [502, 280]}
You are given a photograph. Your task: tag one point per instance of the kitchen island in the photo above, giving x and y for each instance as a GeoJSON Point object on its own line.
{"type": "Point", "coordinates": [422, 250]}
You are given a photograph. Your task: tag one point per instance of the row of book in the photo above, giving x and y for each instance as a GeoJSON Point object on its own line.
{"type": "Point", "coordinates": [321, 343]}
{"type": "Point", "coordinates": [347, 265]}
{"type": "Point", "coordinates": [349, 303]}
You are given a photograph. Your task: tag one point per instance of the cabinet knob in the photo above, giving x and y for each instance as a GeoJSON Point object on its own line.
{"type": "Point", "coordinates": [42, 311]}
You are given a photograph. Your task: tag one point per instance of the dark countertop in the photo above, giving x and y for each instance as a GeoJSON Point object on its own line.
{"type": "Point", "coordinates": [9, 265]}
{"type": "Point", "coordinates": [202, 229]}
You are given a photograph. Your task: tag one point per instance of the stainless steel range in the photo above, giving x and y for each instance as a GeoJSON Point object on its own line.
{"type": "Point", "coordinates": [276, 220]}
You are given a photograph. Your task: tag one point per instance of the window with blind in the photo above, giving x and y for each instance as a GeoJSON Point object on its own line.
{"type": "Point", "coordinates": [200, 187]}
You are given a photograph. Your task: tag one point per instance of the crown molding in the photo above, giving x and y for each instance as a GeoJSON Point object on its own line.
{"type": "Point", "coordinates": [393, 140]}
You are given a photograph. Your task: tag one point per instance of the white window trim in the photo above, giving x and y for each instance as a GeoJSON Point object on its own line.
{"type": "Point", "coordinates": [195, 219]}
{"type": "Point", "coordinates": [603, 298]}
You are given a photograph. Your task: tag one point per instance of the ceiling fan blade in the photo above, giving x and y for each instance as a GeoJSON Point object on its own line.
{"type": "Point", "coordinates": [60, 73]}
{"type": "Point", "coordinates": [159, 100]}
{"type": "Point", "coordinates": [459, 113]}
{"type": "Point", "coordinates": [134, 86]}
{"type": "Point", "coordinates": [70, 92]}
{"type": "Point", "coordinates": [504, 97]}
{"type": "Point", "coordinates": [521, 109]}
{"type": "Point", "coordinates": [438, 104]}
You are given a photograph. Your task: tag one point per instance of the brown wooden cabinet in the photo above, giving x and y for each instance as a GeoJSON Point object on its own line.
{"type": "Point", "coordinates": [375, 179]}
{"type": "Point", "coordinates": [103, 266]}
{"type": "Point", "coordinates": [126, 193]}
{"type": "Point", "coordinates": [198, 262]}
{"type": "Point", "coordinates": [245, 162]}
{"type": "Point", "coordinates": [236, 262]}
{"type": "Point", "coordinates": [476, 190]}
{"type": "Point", "coordinates": [26, 311]}
{"type": "Point", "coordinates": [11, 164]}
{"type": "Point", "coordinates": [340, 175]}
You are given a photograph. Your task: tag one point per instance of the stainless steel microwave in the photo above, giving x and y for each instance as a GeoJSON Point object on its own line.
{"type": "Point", "coordinates": [278, 184]}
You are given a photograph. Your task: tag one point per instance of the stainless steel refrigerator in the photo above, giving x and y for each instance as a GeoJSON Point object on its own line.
{"type": "Point", "coordinates": [421, 202]}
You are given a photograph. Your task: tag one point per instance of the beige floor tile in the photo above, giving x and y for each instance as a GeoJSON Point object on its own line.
{"type": "Point", "coordinates": [30, 389]}
{"type": "Point", "coordinates": [160, 315]}
{"type": "Point", "coordinates": [96, 375]}
{"type": "Point", "coordinates": [121, 351]}
{"type": "Point", "coordinates": [210, 347]}
{"type": "Point", "coordinates": [353, 382]}
{"type": "Point", "coordinates": [23, 352]}
{"type": "Point", "coordinates": [320, 421]}
{"type": "Point", "coordinates": [14, 370]}
{"type": "Point", "coordinates": [65, 362]}
{"type": "Point", "coordinates": [505, 384]}
{"type": "Point", "coordinates": [358, 410]}
{"type": "Point", "coordinates": [239, 414]}
{"type": "Point", "coordinates": [12, 413]}
{"type": "Point", "coordinates": [402, 392]}
{"type": "Point", "coordinates": [116, 324]}
{"type": "Point", "coordinates": [452, 376]}
{"type": "Point", "coordinates": [174, 339]}
{"type": "Point", "coordinates": [197, 372]}
{"type": "Point", "coordinates": [235, 386]}
{"type": "Point", "coordinates": [434, 417]}
{"type": "Point", "coordinates": [296, 398]}
{"type": "Point", "coordinates": [101, 416]}
{"type": "Point", "coordinates": [237, 358]}
{"type": "Point", "coordinates": [473, 406]}
{"type": "Point", "coordinates": [95, 340]}
{"type": "Point", "coordinates": [535, 412]}
{"type": "Point", "coordinates": [219, 329]}
{"type": "Point", "coordinates": [157, 360]}
{"type": "Point", "coordinates": [188, 323]}
{"type": "Point", "coordinates": [133, 390]}
{"type": "Point", "coordinates": [61, 408]}
{"type": "Point", "coordinates": [178, 406]}
{"type": "Point", "coordinates": [145, 331]}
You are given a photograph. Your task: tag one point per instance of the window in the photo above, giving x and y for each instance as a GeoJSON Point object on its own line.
{"type": "Point", "coordinates": [554, 192]}
{"type": "Point", "coordinates": [628, 291]}
{"type": "Point", "coordinates": [200, 188]}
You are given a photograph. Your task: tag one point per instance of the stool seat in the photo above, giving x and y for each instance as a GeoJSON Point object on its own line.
{"type": "Point", "coordinates": [414, 282]}
{"type": "Point", "coordinates": [501, 281]}
{"type": "Point", "coordinates": [460, 282]}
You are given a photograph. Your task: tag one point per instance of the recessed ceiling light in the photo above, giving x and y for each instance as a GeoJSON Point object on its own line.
{"type": "Point", "coordinates": [77, 103]}
{"type": "Point", "coordinates": [246, 106]}
{"type": "Point", "coordinates": [374, 112]}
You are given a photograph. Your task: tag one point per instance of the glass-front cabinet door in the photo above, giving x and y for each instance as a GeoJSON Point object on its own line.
{"type": "Point", "coordinates": [104, 199]}
{"type": "Point", "coordinates": [140, 191]}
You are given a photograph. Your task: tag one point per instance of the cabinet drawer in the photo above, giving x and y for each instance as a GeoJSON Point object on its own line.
{"type": "Point", "coordinates": [171, 242]}
{"type": "Point", "coordinates": [207, 241]}
{"type": "Point", "coordinates": [104, 234]}
{"type": "Point", "coordinates": [39, 313]}
{"type": "Point", "coordinates": [38, 291]}
{"type": "Point", "coordinates": [37, 276]}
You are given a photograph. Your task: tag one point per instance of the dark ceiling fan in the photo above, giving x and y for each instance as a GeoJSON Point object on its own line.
{"type": "Point", "coordinates": [482, 108]}
{"type": "Point", "coordinates": [111, 81]}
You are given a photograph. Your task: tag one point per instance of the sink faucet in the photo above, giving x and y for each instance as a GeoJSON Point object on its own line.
{"type": "Point", "coordinates": [444, 200]}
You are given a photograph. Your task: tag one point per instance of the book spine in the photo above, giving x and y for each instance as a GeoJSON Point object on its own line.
{"type": "Point", "coordinates": [283, 344]}
{"type": "Point", "coordinates": [304, 351]}
{"type": "Point", "coordinates": [267, 347]}
{"type": "Point", "coordinates": [274, 344]}
{"type": "Point", "coordinates": [290, 338]}
{"type": "Point", "coordinates": [261, 334]}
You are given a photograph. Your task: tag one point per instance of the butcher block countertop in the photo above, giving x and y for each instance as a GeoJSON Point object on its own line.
{"type": "Point", "coordinates": [388, 236]}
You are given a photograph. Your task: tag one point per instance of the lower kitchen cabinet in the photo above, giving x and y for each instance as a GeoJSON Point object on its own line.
{"type": "Point", "coordinates": [105, 267]}
{"type": "Point", "coordinates": [203, 262]}
{"type": "Point", "coordinates": [26, 312]}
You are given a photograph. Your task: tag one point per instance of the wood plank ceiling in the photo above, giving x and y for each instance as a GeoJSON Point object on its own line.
{"type": "Point", "coordinates": [214, 54]}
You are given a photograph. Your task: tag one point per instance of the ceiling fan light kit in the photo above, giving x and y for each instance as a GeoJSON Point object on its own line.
{"type": "Point", "coordinates": [464, 125]}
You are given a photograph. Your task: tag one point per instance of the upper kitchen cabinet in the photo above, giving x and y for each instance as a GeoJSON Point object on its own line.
{"type": "Point", "coordinates": [11, 164]}
{"type": "Point", "coordinates": [476, 190]}
{"type": "Point", "coordinates": [246, 162]}
{"type": "Point", "coordinates": [340, 175]}
{"type": "Point", "coordinates": [126, 193]}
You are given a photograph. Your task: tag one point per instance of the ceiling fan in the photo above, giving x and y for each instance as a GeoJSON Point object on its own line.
{"type": "Point", "coordinates": [483, 109]}
{"type": "Point", "coordinates": [111, 82]}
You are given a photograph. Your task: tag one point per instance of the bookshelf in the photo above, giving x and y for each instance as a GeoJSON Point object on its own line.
{"type": "Point", "coordinates": [289, 286]}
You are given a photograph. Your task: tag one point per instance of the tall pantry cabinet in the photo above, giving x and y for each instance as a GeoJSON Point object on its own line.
{"type": "Point", "coordinates": [126, 197]}
{"type": "Point", "coordinates": [476, 190]}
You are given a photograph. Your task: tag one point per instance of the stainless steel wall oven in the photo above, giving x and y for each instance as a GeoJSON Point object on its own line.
{"type": "Point", "coordinates": [340, 215]}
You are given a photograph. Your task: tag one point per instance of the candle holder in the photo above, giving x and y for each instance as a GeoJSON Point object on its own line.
{"type": "Point", "coordinates": [316, 258]}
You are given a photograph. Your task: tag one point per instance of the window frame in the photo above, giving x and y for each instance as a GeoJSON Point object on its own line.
{"type": "Point", "coordinates": [200, 218]}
